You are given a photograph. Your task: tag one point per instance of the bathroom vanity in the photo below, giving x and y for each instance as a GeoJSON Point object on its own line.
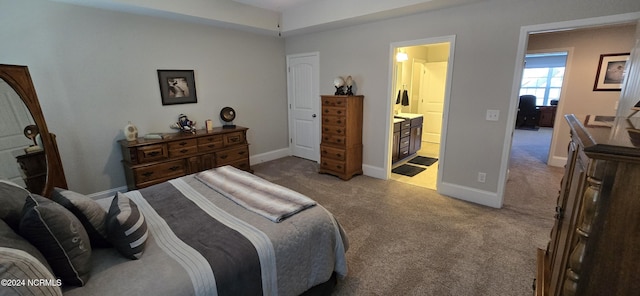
{"type": "Point", "coordinates": [407, 135]}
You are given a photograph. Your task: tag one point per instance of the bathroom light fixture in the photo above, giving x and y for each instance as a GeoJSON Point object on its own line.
{"type": "Point", "coordinates": [401, 56]}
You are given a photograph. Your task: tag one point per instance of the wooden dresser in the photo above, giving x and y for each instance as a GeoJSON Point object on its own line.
{"type": "Point", "coordinates": [341, 146]}
{"type": "Point", "coordinates": [595, 241]}
{"type": "Point", "coordinates": [148, 162]}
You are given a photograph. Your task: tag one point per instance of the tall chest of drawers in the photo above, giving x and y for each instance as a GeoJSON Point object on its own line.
{"type": "Point", "coordinates": [147, 162]}
{"type": "Point", "coordinates": [341, 146]}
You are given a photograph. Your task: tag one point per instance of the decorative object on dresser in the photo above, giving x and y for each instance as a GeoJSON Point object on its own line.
{"type": "Point", "coordinates": [595, 243]}
{"type": "Point", "coordinates": [130, 132]}
{"type": "Point", "coordinates": [184, 124]}
{"type": "Point", "coordinates": [151, 161]}
{"type": "Point", "coordinates": [177, 87]}
{"type": "Point", "coordinates": [227, 114]}
{"type": "Point", "coordinates": [338, 83]}
{"type": "Point", "coordinates": [349, 83]}
{"type": "Point", "coordinates": [341, 146]}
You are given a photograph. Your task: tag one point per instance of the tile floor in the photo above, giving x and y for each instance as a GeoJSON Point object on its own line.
{"type": "Point", "coordinates": [426, 178]}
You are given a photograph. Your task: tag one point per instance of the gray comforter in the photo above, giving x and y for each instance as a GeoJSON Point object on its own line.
{"type": "Point", "coordinates": [203, 243]}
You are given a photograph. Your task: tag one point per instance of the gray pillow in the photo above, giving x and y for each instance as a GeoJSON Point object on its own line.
{"type": "Point", "coordinates": [10, 239]}
{"type": "Point", "coordinates": [16, 264]}
{"type": "Point", "coordinates": [126, 227]}
{"type": "Point", "coordinates": [59, 236]}
{"type": "Point", "coordinates": [12, 198]}
{"type": "Point", "coordinates": [88, 211]}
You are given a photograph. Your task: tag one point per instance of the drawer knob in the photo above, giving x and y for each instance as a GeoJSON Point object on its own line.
{"type": "Point", "coordinates": [339, 112]}
{"type": "Point", "coordinates": [339, 166]}
{"type": "Point", "coordinates": [184, 151]}
{"type": "Point", "coordinates": [339, 131]}
{"type": "Point", "coordinates": [241, 152]}
{"type": "Point", "coordinates": [174, 168]}
{"type": "Point", "coordinates": [182, 143]}
{"type": "Point", "coordinates": [339, 121]}
{"type": "Point", "coordinates": [339, 155]}
{"type": "Point", "coordinates": [154, 153]}
{"type": "Point", "coordinates": [147, 174]}
{"type": "Point", "coordinates": [224, 156]}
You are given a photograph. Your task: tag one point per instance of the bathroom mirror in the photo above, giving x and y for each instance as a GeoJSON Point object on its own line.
{"type": "Point", "coordinates": [28, 152]}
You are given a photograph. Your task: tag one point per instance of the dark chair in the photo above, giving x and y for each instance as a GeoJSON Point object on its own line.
{"type": "Point", "coordinates": [527, 112]}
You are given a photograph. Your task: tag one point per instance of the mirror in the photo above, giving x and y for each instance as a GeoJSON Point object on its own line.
{"type": "Point", "coordinates": [27, 149]}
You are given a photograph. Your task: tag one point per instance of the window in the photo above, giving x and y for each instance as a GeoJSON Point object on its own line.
{"type": "Point", "coordinates": [542, 77]}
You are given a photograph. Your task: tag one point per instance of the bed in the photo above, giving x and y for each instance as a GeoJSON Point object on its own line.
{"type": "Point", "coordinates": [210, 233]}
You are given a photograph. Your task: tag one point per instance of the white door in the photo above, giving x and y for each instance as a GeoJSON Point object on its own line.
{"type": "Point", "coordinates": [304, 105]}
{"type": "Point", "coordinates": [432, 91]}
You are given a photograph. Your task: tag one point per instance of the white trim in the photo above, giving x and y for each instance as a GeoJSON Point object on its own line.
{"type": "Point", "coordinates": [557, 161]}
{"type": "Point", "coordinates": [268, 156]}
{"type": "Point", "coordinates": [451, 39]}
{"type": "Point", "coordinates": [517, 76]}
{"type": "Point", "coordinates": [373, 171]}
{"type": "Point", "coordinates": [482, 197]}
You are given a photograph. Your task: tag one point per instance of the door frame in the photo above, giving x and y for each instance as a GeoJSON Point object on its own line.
{"type": "Point", "coordinates": [316, 90]}
{"type": "Point", "coordinates": [451, 39]}
{"type": "Point", "coordinates": [525, 31]}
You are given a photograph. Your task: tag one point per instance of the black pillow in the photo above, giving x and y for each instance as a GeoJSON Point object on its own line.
{"type": "Point", "coordinates": [59, 236]}
{"type": "Point", "coordinates": [126, 227]}
{"type": "Point", "coordinates": [88, 211]}
{"type": "Point", "coordinates": [12, 199]}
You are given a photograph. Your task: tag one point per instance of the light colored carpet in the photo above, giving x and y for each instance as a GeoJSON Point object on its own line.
{"type": "Point", "coordinates": [409, 240]}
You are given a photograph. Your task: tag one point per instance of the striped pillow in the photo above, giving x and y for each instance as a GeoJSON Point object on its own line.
{"type": "Point", "coordinates": [126, 227]}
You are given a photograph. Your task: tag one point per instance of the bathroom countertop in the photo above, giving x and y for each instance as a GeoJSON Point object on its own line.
{"type": "Point", "coordinates": [408, 115]}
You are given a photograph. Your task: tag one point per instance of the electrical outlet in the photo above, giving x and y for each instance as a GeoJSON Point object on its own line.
{"type": "Point", "coordinates": [493, 115]}
{"type": "Point", "coordinates": [482, 177]}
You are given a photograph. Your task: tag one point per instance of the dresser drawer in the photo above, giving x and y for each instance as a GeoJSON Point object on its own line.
{"type": "Point", "coordinates": [405, 124]}
{"type": "Point", "coordinates": [206, 144]}
{"type": "Point", "coordinates": [333, 153]}
{"type": "Point", "coordinates": [334, 120]}
{"type": "Point", "coordinates": [182, 148]}
{"type": "Point", "coordinates": [163, 171]}
{"type": "Point", "coordinates": [230, 155]}
{"type": "Point", "coordinates": [403, 152]}
{"type": "Point", "coordinates": [151, 153]}
{"type": "Point", "coordinates": [334, 102]}
{"type": "Point", "coordinates": [335, 111]}
{"type": "Point", "coordinates": [397, 126]}
{"type": "Point", "coordinates": [333, 165]}
{"type": "Point", "coordinates": [333, 139]}
{"type": "Point", "coordinates": [335, 130]}
{"type": "Point", "coordinates": [233, 138]}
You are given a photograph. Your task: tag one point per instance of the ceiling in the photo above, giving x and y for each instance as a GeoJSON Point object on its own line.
{"type": "Point", "coordinates": [274, 17]}
{"type": "Point", "coordinates": [275, 5]}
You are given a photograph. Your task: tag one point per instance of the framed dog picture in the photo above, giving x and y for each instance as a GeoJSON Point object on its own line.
{"type": "Point", "coordinates": [177, 87]}
{"type": "Point", "coordinates": [610, 72]}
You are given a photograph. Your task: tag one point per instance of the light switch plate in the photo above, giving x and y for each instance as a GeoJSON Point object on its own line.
{"type": "Point", "coordinates": [493, 115]}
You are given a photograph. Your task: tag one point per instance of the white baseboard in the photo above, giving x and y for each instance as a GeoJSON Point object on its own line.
{"type": "Point", "coordinates": [557, 161]}
{"type": "Point", "coordinates": [268, 156]}
{"type": "Point", "coordinates": [473, 195]}
{"type": "Point", "coordinates": [375, 172]}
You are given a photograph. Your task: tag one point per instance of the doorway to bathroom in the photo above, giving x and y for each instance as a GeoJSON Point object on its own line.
{"type": "Point", "coordinates": [419, 85]}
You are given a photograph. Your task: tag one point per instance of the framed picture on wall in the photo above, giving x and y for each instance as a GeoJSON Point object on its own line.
{"type": "Point", "coordinates": [610, 72]}
{"type": "Point", "coordinates": [177, 87]}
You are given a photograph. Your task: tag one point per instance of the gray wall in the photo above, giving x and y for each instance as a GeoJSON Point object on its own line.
{"type": "Point", "coordinates": [487, 36]}
{"type": "Point", "coordinates": [95, 70]}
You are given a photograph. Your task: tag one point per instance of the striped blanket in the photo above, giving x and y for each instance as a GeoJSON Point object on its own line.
{"type": "Point", "coordinates": [272, 201]}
